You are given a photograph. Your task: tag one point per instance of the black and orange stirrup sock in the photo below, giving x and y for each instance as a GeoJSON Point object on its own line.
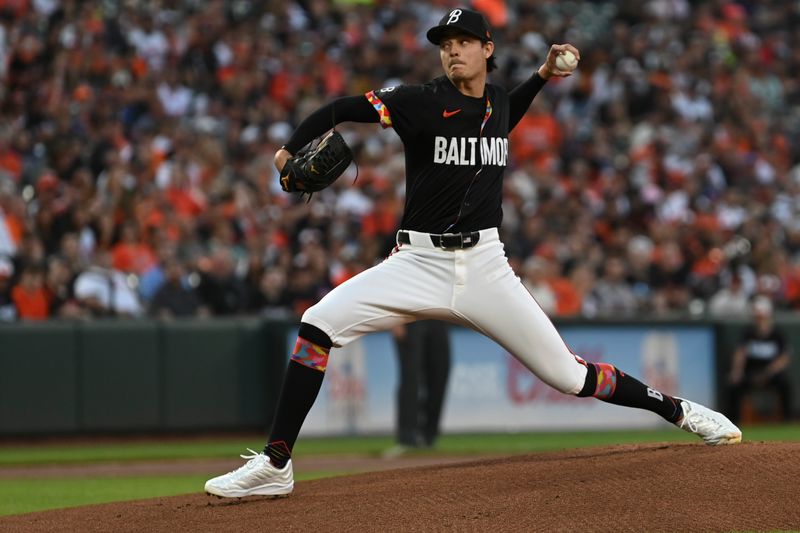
{"type": "Point", "coordinates": [606, 382]}
{"type": "Point", "coordinates": [301, 385]}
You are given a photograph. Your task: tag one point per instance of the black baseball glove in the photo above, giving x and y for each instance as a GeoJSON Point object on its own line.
{"type": "Point", "coordinates": [312, 170]}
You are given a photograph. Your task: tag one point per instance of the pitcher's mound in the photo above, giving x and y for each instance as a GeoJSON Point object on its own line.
{"type": "Point", "coordinates": [666, 487]}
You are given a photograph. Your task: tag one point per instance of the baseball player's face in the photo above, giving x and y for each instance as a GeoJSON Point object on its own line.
{"type": "Point", "coordinates": [463, 56]}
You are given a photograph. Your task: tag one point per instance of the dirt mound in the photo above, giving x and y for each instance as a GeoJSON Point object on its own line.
{"type": "Point", "coordinates": [752, 486]}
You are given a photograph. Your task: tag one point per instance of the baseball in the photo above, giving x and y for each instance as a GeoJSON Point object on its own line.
{"type": "Point", "coordinates": [566, 61]}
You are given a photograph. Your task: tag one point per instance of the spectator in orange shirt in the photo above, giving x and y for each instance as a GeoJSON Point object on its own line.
{"type": "Point", "coordinates": [30, 296]}
{"type": "Point", "coordinates": [568, 298]}
{"type": "Point", "coordinates": [130, 254]}
{"type": "Point", "coordinates": [186, 200]}
{"type": "Point", "coordinates": [537, 136]}
{"type": "Point", "coordinates": [10, 160]}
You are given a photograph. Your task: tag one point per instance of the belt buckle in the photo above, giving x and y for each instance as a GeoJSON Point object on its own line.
{"type": "Point", "coordinates": [460, 237]}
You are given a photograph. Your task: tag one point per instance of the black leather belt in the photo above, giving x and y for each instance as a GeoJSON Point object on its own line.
{"type": "Point", "coordinates": [446, 241]}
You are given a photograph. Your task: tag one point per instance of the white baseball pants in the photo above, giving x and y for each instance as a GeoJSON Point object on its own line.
{"type": "Point", "coordinates": [473, 287]}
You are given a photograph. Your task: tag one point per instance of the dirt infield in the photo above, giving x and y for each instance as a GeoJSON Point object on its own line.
{"type": "Point", "coordinates": [675, 487]}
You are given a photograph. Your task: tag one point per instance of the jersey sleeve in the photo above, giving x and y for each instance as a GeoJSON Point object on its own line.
{"type": "Point", "coordinates": [398, 106]}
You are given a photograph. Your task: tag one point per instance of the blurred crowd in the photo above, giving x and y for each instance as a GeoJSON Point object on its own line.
{"type": "Point", "coordinates": [136, 144]}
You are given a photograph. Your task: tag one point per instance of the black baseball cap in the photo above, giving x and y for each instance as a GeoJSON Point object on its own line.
{"type": "Point", "coordinates": [467, 20]}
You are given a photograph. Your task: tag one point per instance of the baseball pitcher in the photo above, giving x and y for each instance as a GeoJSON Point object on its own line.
{"type": "Point", "coordinates": [449, 263]}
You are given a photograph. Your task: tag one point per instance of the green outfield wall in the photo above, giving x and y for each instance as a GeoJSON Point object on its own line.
{"type": "Point", "coordinates": [195, 375]}
{"type": "Point", "coordinates": [140, 376]}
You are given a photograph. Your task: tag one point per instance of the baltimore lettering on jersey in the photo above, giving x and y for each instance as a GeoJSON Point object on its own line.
{"type": "Point", "coordinates": [456, 149]}
{"type": "Point", "coordinates": [462, 150]}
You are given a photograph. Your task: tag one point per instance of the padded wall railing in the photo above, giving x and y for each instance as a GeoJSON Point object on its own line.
{"type": "Point", "coordinates": [129, 376]}
{"type": "Point", "coordinates": [194, 375]}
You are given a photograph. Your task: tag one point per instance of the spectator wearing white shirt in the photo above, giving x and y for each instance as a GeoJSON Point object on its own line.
{"type": "Point", "coordinates": [536, 271]}
{"type": "Point", "coordinates": [150, 43]}
{"type": "Point", "coordinates": [175, 98]}
{"type": "Point", "coordinates": [731, 300]}
{"type": "Point", "coordinates": [614, 296]}
{"type": "Point", "coordinates": [105, 292]}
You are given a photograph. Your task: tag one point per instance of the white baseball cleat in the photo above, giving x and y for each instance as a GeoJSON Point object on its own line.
{"type": "Point", "coordinates": [713, 427]}
{"type": "Point", "coordinates": [257, 477]}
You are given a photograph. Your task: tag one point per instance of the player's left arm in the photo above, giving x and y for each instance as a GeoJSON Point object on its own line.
{"type": "Point", "coordinates": [521, 96]}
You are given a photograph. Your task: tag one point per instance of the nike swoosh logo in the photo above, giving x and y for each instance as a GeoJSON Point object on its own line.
{"type": "Point", "coordinates": [448, 114]}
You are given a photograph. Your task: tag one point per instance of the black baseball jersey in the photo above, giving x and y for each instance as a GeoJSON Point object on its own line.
{"type": "Point", "coordinates": [763, 348]}
{"type": "Point", "coordinates": [456, 149]}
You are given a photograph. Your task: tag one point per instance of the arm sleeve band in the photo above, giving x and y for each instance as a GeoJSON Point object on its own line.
{"type": "Point", "coordinates": [345, 109]}
{"type": "Point", "coordinates": [521, 96]}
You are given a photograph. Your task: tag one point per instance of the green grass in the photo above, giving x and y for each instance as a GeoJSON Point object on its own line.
{"type": "Point", "coordinates": [29, 495]}
{"type": "Point", "coordinates": [506, 443]}
{"type": "Point", "coordinates": [22, 495]}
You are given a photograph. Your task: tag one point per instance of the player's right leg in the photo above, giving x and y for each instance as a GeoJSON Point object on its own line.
{"type": "Point", "coordinates": [498, 305]}
{"type": "Point", "coordinates": [406, 286]}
